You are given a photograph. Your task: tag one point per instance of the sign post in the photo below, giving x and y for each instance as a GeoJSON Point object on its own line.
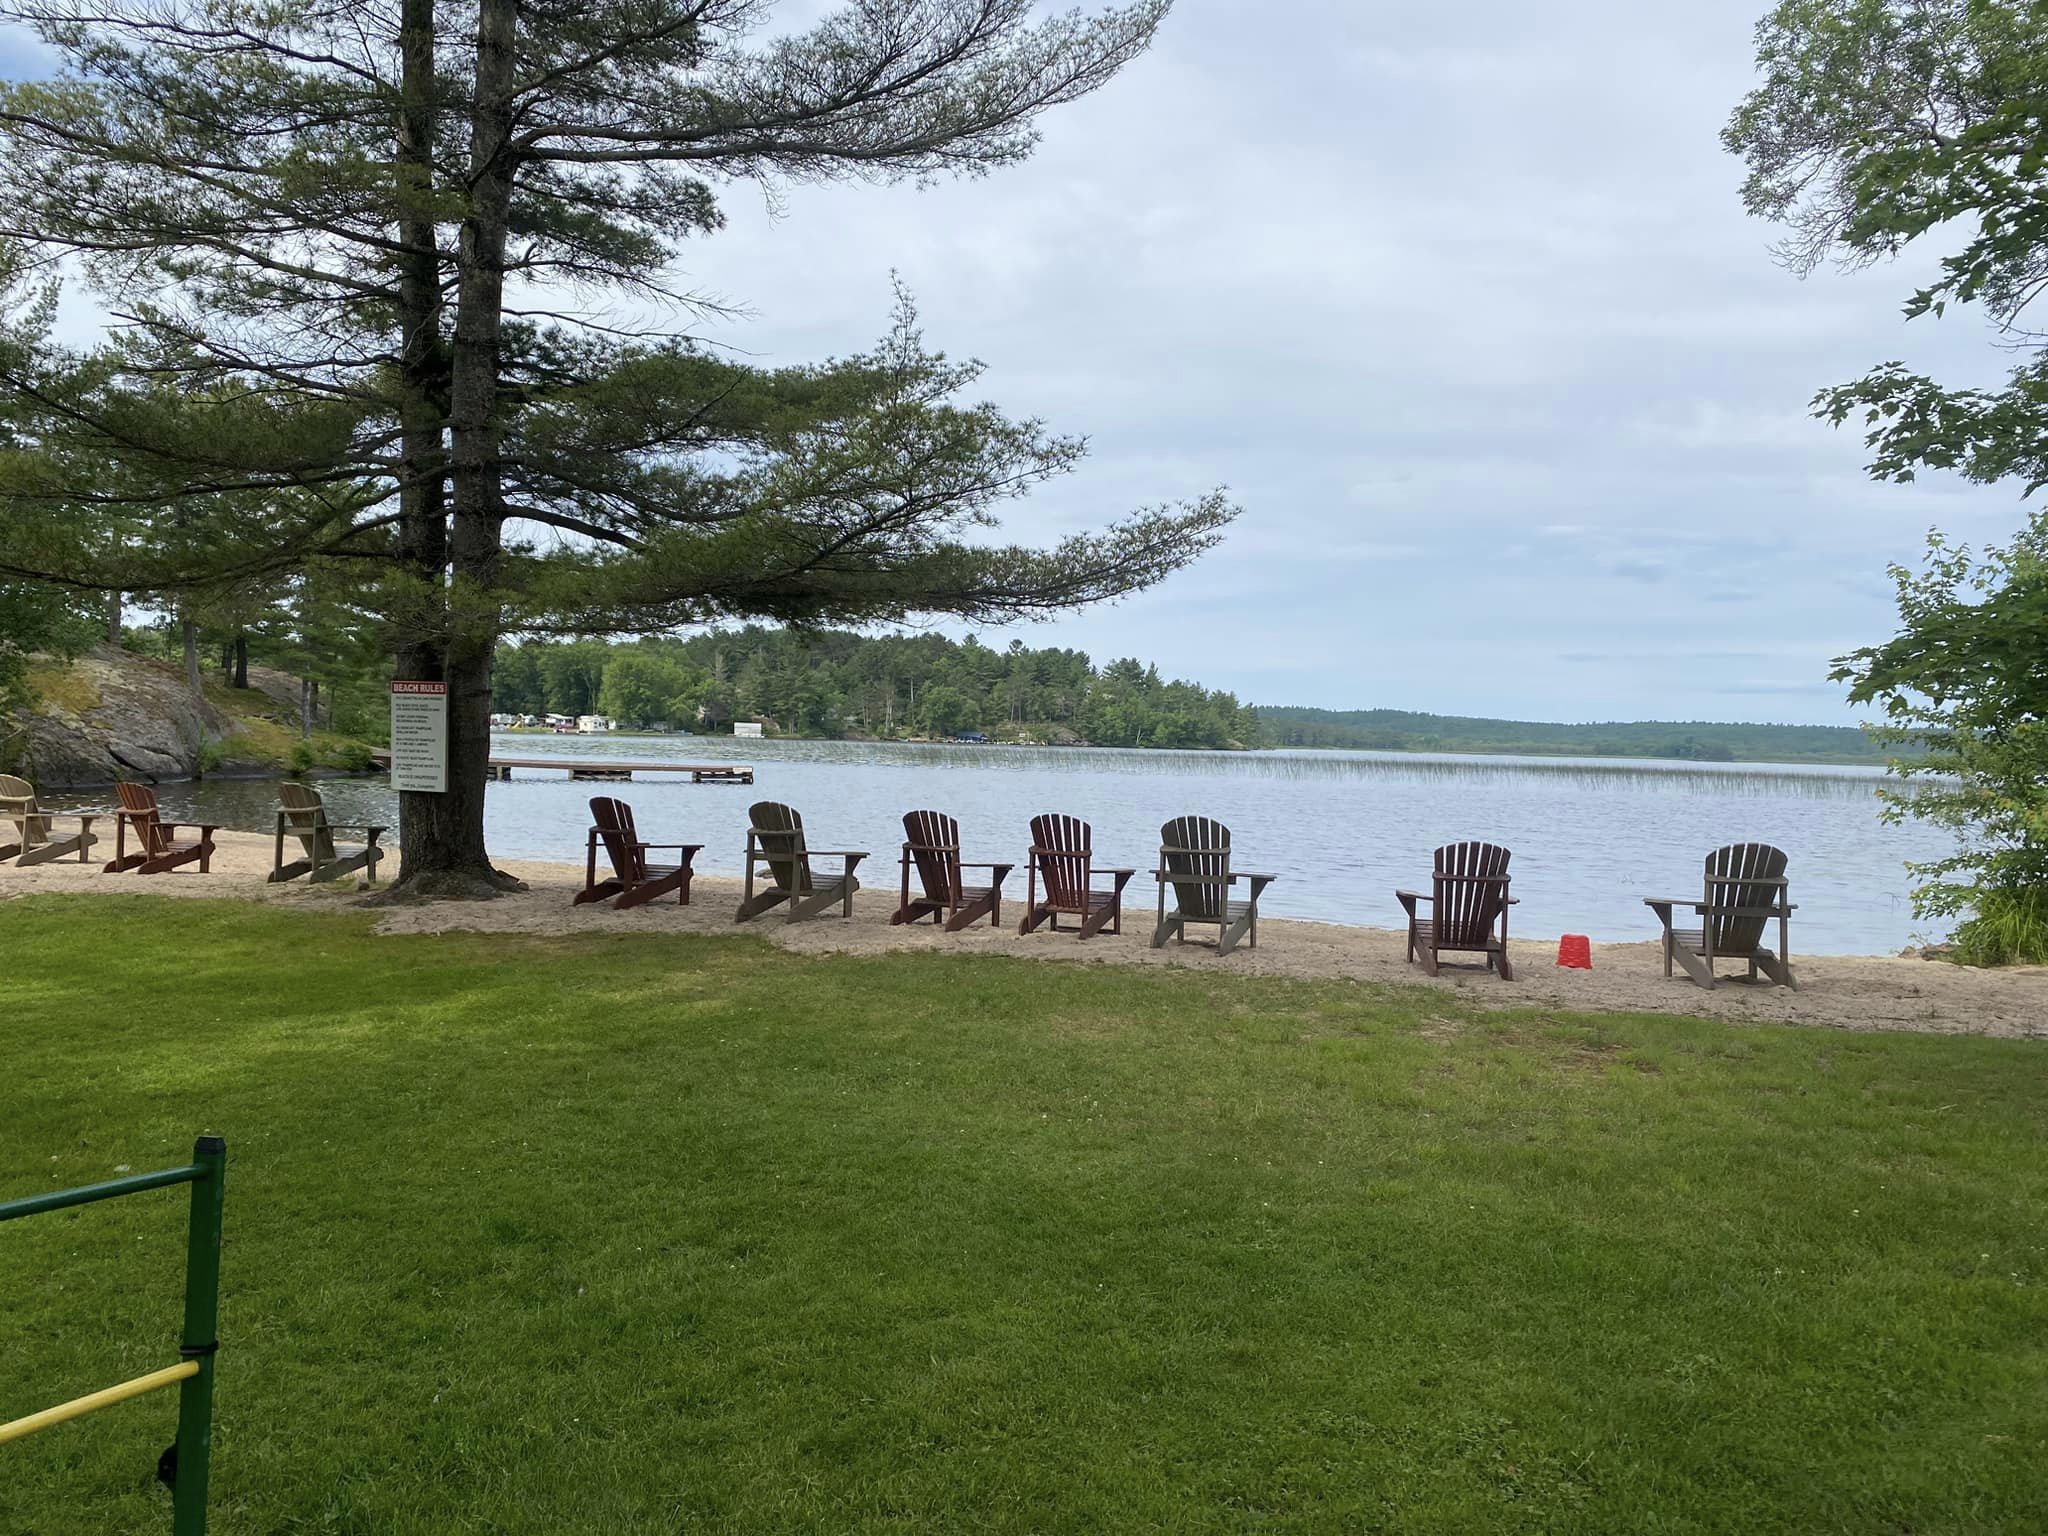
{"type": "Point", "coordinates": [419, 737]}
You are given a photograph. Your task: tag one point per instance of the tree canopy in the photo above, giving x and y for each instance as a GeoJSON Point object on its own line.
{"type": "Point", "coordinates": [1966, 680]}
{"type": "Point", "coordinates": [1882, 123]}
{"type": "Point", "coordinates": [397, 288]}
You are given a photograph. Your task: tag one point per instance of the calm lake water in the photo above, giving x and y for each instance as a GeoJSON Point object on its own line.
{"type": "Point", "coordinates": [1591, 837]}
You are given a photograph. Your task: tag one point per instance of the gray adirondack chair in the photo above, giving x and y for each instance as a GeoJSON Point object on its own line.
{"type": "Point", "coordinates": [302, 814]}
{"type": "Point", "coordinates": [1469, 904]}
{"type": "Point", "coordinates": [28, 833]}
{"type": "Point", "coordinates": [635, 878]}
{"type": "Point", "coordinates": [1063, 866]}
{"type": "Point", "coordinates": [1745, 889]}
{"type": "Point", "coordinates": [1194, 861]}
{"type": "Point", "coordinates": [931, 847]}
{"type": "Point", "coordinates": [775, 844]}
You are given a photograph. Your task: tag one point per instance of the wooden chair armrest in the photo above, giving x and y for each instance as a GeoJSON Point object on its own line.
{"type": "Point", "coordinates": [979, 864]}
{"type": "Point", "coordinates": [679, 847]}
{"type": "Point", "coordinates": [1414, 896]}
{"type": "Point", "coordinates": [1250, 874]}
{"type": "Point", "coordinates": [836, 853]}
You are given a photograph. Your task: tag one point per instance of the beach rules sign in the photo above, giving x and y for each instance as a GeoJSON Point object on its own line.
{"type": "Point", "coordinates": [419, 738]}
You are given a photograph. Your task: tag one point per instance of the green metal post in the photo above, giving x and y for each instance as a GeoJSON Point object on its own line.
{"type": "Point", "coordinates": [199, 1341]}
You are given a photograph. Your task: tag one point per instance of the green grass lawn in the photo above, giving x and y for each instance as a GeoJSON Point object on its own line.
{"type": "Point", "coordinates": [679, 1234]}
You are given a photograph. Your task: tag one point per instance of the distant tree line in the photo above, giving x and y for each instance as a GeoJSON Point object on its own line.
{"type": "Point", "coordinates": [836, 684]}
{"type": "Point", "coordinates": [1394, 730]}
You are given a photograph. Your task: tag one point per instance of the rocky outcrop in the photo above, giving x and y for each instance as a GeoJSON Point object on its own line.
{"type": "Point", "coordinates": [114, 716]}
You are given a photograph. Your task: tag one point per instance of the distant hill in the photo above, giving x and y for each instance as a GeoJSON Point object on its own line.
{"type": "Point", "coordinates": [1395, 730]}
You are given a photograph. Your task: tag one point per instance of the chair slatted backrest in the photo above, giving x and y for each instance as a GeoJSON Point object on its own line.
{"type": "Point", "coordinates": [779, 833]}
{"type": "Point", "coordinates": [934, 841]}
{"type": "Point", "coordinates": [1065, 850]}
{"type": "Point", "coordinates": [1732, 932]}
{"type": "Point", "coordinates": [140, 804]}
{"type": "Point", "coordinates": [1468, 897]}
{"type": "Point", "coordinates": [614, 822]}
{"type": "Point", "coordinates": [18, 808]}
{"type": "Point", "coordinates": [1196, 853]}
{"type": "Point", "coordinates": [305, 817]}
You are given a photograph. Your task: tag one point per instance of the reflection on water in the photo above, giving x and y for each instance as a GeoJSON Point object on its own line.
{"type": "Point", "coordinates": [1591, 837]}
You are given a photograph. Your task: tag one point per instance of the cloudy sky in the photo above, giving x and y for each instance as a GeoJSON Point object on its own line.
{"type": "Point", "coordinates": [1462, 305]}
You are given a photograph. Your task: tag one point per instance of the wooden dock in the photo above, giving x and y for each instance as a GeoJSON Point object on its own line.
{"type": "Point", "coordinates": [600, 771]}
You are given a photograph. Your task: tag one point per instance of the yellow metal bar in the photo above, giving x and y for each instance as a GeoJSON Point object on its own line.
{"type": "Point", "coordinates": [79, 1407]}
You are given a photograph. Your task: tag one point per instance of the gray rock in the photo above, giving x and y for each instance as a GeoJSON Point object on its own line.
{"type": "Point", "coordinates": [120, 716]}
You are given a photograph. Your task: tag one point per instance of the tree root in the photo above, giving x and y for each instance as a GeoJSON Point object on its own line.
{"type": "Point", "coordinates": [472, 883]}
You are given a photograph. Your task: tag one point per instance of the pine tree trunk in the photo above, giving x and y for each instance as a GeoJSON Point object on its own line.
{"type": "Point", "coordinates": [191, 632]}
{"type": "Point", "coordinates": [442, 836]}
{"type": "Point", "coordinates": [114, 620]}
{"type": "Point", "coordinates": [305, 709]}
{"type": "Point", "coordinates": [241, 660]}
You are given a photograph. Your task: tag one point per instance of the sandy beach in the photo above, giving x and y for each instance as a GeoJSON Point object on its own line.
{"type": "Point", "coordinates": [1837, 992]}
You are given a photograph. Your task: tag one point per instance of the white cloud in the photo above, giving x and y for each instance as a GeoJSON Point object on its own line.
{"type": "Point", "coordinates": [1462, 304]}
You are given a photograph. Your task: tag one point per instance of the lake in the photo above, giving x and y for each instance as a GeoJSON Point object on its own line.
{"type": "Point", "coordinates": [1591, 837]}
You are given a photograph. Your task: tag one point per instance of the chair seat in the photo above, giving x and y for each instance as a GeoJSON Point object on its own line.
{"type": "Point", "coordinates": [1094, 900]}
{"type": "Point", "coordinates": [1232, 911]}
{"type": "Point", "coordinates": [1425, 935]}
{"type": "Point", "coordinates": [967, 896]}
{"type": "Point", "coordinates": [1694, 941]}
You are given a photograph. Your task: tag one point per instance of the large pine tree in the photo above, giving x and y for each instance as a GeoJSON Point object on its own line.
{"type": "Point", "coordinates": [360, 254]}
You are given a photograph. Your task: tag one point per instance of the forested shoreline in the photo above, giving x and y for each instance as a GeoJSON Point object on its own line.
{"type": "Point", "coordinates": [836, 684]}
{"type": "Point", "coordinates": [1703, 741]}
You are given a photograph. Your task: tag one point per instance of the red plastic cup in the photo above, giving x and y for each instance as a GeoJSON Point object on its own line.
{"type": "Point", "coordinates": [1575, 952]}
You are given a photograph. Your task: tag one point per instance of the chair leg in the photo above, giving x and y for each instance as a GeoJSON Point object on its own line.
{"type": "Point", "coordinates": [1228, 935]}
{"type": "Point", "coordinates": [1701, 972]}
{"type": "Point", "coordinates": [754, 905]}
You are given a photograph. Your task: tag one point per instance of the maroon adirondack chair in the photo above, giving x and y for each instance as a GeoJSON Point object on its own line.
{"type": "Point", "coordinates": [635, 878]}
{"type": "Point", "coordinates": [158, 846]}
{"type": "Point", "coordinates": [1469, 904]}
{"type": "Point", "coordinates": [931, 846]}
{"type": "Point", "coordinates": [1063, 866]}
